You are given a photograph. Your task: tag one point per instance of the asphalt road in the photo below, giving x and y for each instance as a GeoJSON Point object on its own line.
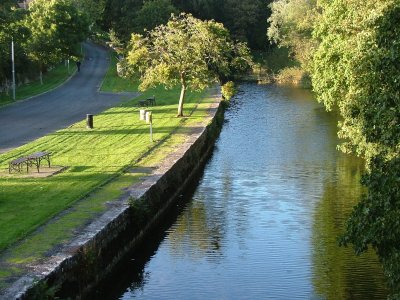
{"type": "Point", "coordinates": [30, 119]}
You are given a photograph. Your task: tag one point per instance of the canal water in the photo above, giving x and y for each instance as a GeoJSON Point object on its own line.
{"type": "Point", "coordinates": [264, 219]}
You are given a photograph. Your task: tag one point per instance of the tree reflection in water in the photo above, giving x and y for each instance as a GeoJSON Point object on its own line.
{"type": "Point", "coordinates": [338, 273]}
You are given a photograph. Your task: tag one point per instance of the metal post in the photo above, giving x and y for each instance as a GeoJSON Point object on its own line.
{"type": "Point", "coordinates": [89, 121]}
{"type": "Point", "coordinates": [13, 66]}
{"type": "Point", "coordinates": [68, 65]}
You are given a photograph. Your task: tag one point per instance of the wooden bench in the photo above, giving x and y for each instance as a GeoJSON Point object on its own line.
{"type": "Point", "coordinates": [142, 103]}
{"type": "Point", "coordinates": [17, 164]}
{"type": "Point", "coordinates": [33, 159]}
{"type": "Point", "coordinates": [151, 101]}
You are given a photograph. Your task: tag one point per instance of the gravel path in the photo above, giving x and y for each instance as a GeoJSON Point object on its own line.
{"type": "Point", "coordinates": [28, 120]}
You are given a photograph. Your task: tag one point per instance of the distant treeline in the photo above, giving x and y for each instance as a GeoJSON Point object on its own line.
{"type": "Point", "coordinates": [48, 30]}
{"type": "Point", "coordinates": [44, 35]}
{"type": "Point", "coordinates": [245, 19]}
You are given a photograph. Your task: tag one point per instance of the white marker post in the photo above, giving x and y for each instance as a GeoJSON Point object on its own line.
{"type": "Point", "coordinates": [13, 67]}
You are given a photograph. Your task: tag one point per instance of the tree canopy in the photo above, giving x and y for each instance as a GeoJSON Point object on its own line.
{"type": "Point", "coordinates": [245, 19]}
{"type": "Point", "coordinates": [185, 51]}
{"type": "Point", "coordinates": [152, 14]}
{"type": "Point", "coordinates": [56, 27]}
{"type": "Point", "coordinates": [291, 25]}
{"type": "Point", "coordinates": [356, 68]}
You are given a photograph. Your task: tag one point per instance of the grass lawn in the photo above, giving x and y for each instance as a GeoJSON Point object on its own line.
{"type": "Point", "coordinates": [92, 156]}
{"type": "Point", "coordinates": [51, 80]}
{"type": "Point", "coordinates": [113, 83]}
{"type": "Point", "coordinates": [97, 162]}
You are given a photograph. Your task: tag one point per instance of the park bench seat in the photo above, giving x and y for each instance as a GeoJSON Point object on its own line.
{"type": "Point", "coordinates": [17, 164]}
{"type": "Point", "coordinates": [151, 101]}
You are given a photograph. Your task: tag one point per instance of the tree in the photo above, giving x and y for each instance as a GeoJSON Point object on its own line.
{"type": "Point", "coordinates": [292, 24]}
{"type": "Point", "coordinates": [356, 69]}
{"type": "Point", "coordinates": [245, 19]}
{"type": "Point", "coordinates": [202, 9]}
{"type": "Point", "coordinates": [119, 16]}
{"type": "Point", "coordinates": [153, 13]}
{"type": "Point", "coordinates": [56, 27]}
{"type": "Point", "coordinates": [11, 28]}
{"type": "Point", "coordinates": [5, 37]}
{"type": "Point", "coordinates": [93, 9]}
{"type": "Point", "coordinates": [185, 51]}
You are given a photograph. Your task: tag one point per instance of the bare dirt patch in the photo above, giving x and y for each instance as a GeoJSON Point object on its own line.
{"type": "Point", "coordinates": [33, 173]}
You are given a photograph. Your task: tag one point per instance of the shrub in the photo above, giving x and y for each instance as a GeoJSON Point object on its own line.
{"type": "Point", "coordinates": [228, 90]}
{"type": "Point", "coordinates": [293, 76]}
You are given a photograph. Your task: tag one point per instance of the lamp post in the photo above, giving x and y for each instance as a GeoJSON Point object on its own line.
{"type": "Point", "coordinates": [13, 67]}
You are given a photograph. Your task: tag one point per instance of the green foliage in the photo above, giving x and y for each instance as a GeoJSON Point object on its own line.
{"type": "Point", "coordinates": [245, 19]}
{"type": "Point", "coordinates": [291, 25]}
{"type": "Point", "coordinates": [185, 51]}
{"type": "Point", "coordinates": [153, 13]}
{"type": "Point", "coordinates": [43, 35]}
{"type": "Point", "coordinates": [11, 27]}
{"type": "Point", "coordinates": [293, 76]}
{"type": "Point", "coordinates": [119, 15]}
{"type": "Point", "coordinates": [56, 27]}
{"type": "Point", "coordinates": [92, 9]}
{"type": "Point", "coordinates": [375, 220]}
{"type": "Point", "coordinates": [356, 68]}
{"type": "Point", "coordinates": [228, 90]}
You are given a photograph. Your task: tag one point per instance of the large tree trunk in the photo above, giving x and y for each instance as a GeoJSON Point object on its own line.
{"type": "Point", "coordinates": [182, 97]}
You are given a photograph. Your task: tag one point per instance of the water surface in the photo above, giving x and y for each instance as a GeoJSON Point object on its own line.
{"type": "Point", "coordinates": [264, 219]}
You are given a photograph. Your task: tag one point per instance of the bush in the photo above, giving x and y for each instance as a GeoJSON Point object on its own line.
{"type": "Point", "coordinates": [228, 90]}
{"type": "Point", "coordinates": [294, 76]}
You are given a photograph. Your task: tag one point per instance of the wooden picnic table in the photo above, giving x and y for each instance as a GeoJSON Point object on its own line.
{"type": "Point", "coordinates": [37, 157]}
{"type": "Point", "coordinates": [30, 160]}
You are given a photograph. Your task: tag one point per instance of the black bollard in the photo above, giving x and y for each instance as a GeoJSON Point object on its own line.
{"type": "Point", "coordinates": [89, 121]}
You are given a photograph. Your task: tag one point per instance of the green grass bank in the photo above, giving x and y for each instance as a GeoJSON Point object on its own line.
{"type": "Point", "coordinates": [97, 165]}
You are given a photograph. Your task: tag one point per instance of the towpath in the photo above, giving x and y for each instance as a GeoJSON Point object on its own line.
{"type": "Point", "coordinates": [28, 120]}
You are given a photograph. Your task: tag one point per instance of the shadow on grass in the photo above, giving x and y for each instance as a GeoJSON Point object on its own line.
{"type": "Point", "coordinates": [133, 131]}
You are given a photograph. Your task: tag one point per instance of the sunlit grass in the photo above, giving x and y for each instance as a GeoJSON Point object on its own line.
{"type": "Point", "coordinates": [97, 161]}
{"type": "Point", "coordinates": [113, 83]}
{"type": "Point", "coordinates": [92, 157]}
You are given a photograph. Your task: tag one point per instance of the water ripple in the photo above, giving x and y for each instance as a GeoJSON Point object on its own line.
{"type": "Point", "coordinates": [264, 219]}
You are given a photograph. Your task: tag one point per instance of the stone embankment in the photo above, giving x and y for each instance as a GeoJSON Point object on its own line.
{"type": "Point", "coordinates": [84, 262]}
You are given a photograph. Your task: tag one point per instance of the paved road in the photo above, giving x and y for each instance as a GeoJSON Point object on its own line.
{"type": "Point", "coordinates": [28, 120]}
